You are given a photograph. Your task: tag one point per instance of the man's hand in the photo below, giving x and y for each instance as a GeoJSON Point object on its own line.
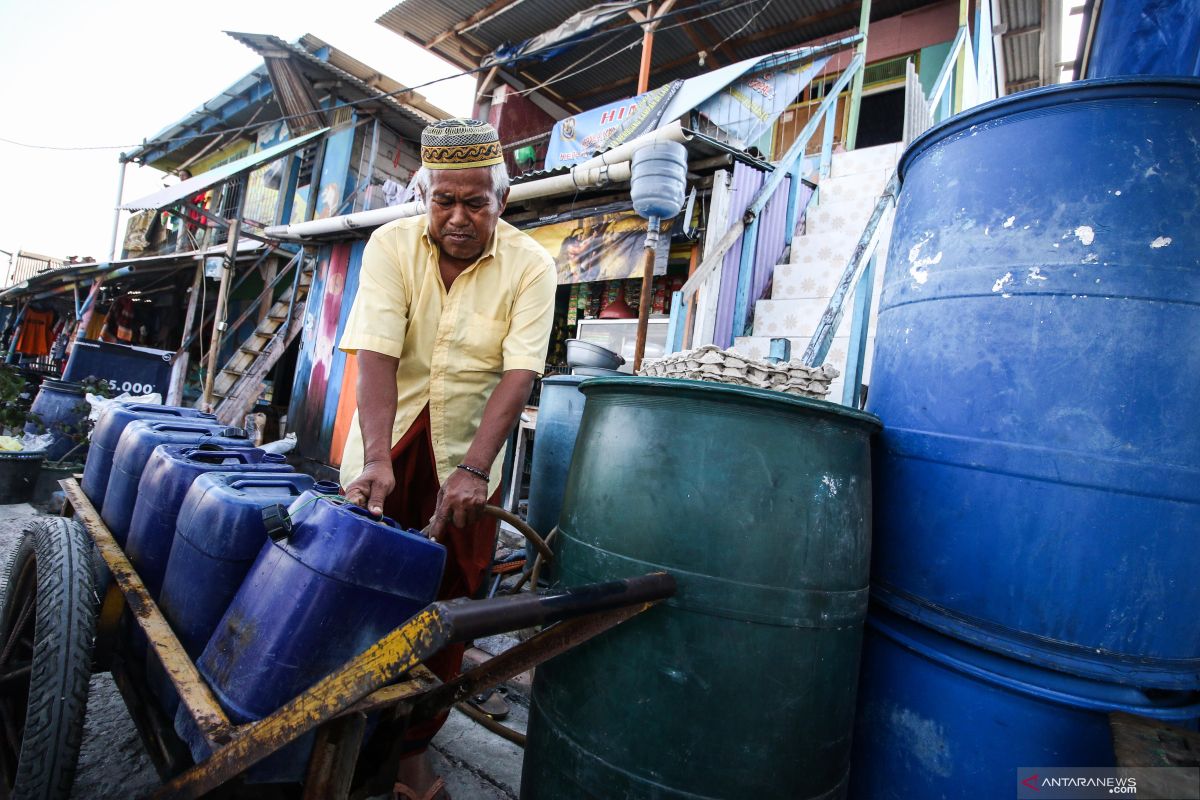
{"type": "Point", "coordinates": [372, 487]}
{"type": "Point", "coordinates": [460, 502]}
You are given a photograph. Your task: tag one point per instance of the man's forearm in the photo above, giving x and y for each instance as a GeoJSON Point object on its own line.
{"type": "Point", "coordinates": [376, 403]}
{"type": "Point", "coordinates": [499, 416]}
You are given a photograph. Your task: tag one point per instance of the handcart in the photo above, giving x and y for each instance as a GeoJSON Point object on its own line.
{"type": "Point", "coordinates": [51, 616]}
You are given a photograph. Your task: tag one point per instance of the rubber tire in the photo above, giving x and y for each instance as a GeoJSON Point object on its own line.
{"type": "Point", "coordinates": [64, 630]}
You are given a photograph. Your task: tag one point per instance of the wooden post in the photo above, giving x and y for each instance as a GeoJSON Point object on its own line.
{"type": "Point", "coordinates": [268, 272]}
{"type": "Point", "coordinates": [648, 28]}
{"type": "Point", "coordinates": [864, 21]}
{"type": "Point", "coordinates": [644, 74]}
{"type": "Point", "coordinates": [180, 363]}
{"type": "Point", "coordinates": [227, 266]}
{"type": "Point", "coordinates": [647, 296]}
{"type": "Point", "coordinates": [690, 314]}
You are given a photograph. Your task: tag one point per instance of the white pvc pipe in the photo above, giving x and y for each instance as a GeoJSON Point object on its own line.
{"type": "Point", "coordinates": [612, 166]}
{"type": "Point", "coordinates": [114, 252]}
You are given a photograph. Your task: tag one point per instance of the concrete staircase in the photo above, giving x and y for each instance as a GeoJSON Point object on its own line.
{"type": "Point", "coordinates": [801, 289]}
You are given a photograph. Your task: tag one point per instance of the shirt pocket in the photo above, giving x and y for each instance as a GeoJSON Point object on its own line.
{"type": "Point", "coordinates": [481, 344]}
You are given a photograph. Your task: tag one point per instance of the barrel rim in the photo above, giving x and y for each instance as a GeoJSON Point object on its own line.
{"type": "Point", "coordinates": [1023, 677]}
{"type": "Point", "coordinates": [564, 380]}
{"type": "Point", "coordinates": [71, 387]}
{"type": "Point", "coordinates": [766, 397]}
{"type": "Point", "coordinates": [1076, 91]}
{"type": "Point", "coordinates": [22, 455]}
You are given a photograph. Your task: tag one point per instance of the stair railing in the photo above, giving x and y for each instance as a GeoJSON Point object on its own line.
{"type": "Point", "coordinates": [858, 278]}
{"type": "Point", "coordinates": [791, 164]}
{"type": "Point", "coordinates": [270, 290]}
{"type": "Point", "coordinates": [863, 281]}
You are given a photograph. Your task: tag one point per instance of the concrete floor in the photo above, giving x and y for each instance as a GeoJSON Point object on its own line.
{"type": "Point", "coordinates": [476, 763]}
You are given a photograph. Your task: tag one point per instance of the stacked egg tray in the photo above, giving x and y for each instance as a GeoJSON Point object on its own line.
{"type": "Point", "coordinates": [711, 363]}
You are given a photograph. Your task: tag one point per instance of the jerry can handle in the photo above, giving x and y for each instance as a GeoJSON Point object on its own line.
{"type": "Point", "coordinates": [266, 483]}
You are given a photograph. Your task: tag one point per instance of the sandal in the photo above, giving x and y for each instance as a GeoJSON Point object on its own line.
{"type": "Point", "coordinates": [402, 792]}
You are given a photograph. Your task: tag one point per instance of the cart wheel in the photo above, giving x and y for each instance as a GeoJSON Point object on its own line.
{"type": "Point", "coordinates": [47, 623]}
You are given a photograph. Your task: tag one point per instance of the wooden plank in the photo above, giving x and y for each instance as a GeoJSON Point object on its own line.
{"type": "Point", "coordinates": [334, 754]}
{"type": "Point", "coordinates": [1142, 742]}
{"type": "Point", "coordinates": [856, 355]}
{"type": "Point", "coordinates": [194, 693]}
{"type": "Point", "coordinates": [384, 662]}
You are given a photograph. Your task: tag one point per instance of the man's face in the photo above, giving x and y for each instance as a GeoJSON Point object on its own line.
{"type": "Point", "coordinates": [463, 211]}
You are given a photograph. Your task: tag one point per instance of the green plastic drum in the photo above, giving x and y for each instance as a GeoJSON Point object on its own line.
{"type": "Point", "coordinates": [743, 684]}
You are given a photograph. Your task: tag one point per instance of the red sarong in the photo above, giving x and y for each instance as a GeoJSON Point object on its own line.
{"type": "Point", "coordinates": [469, 550]}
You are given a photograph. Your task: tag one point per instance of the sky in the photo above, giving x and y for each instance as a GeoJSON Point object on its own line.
{"type": "Point", "coordinates": [80, 73]}
{"type": "Point", "coordinates": [76, 73]}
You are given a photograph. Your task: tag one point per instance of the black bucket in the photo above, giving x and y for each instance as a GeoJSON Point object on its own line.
{"type": "Point", "coordinates": [18, 475]}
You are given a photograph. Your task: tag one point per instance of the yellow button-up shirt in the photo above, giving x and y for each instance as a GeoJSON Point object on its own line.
{"type": "Point", "coordinates": [452, 345]}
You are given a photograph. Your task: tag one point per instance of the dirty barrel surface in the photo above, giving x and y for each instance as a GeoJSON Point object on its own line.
{"type": "Point", "coordinates": [1038, 481]}
{"type": "Point", "coordinates": [743, 684]}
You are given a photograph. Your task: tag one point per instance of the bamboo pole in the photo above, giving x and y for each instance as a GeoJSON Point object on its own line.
{"type": "Point", "coordinates": [222, 298]}
{"type": "Point", "coordinates": [647, 296]}
{"type": "Point", "coordinates": [180, 364]}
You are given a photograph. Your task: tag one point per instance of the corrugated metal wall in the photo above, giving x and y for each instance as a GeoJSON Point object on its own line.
{"type": "Point", "coordinates": [318, 389]}
{"type": "Point", "coordinates": [771, 231]}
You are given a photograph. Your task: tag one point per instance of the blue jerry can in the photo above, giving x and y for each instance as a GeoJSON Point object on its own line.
{"type": "Point", "coordinates": [133, 451]}
{"type": "Point", "coordinates": [165, 482]}
{"type": "Point", "coordinates": [314, 598]}
{"type": "Point", "coordinates": [107, 434]}
{"type": "Point", "coordinates": [218, 534]}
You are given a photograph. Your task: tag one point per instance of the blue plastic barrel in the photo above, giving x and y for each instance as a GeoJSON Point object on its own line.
{"type": "Point", "coordinates": [559, 411]}
{"type": "Point", "coordinates": [107, 434]}
{"type": "Point", "coordinates": [938, 717]}
{"type": "Point", "coordinates": [313, 600]}
{"type": "Point", "coordinates": [1036, 367]}
{"type": "Point", "coordinates": [133, 451]}
{"type": "Point", "coordinates": [218, 534]}
{"type": "Point", "coordinates": [61, 407]}
{"type": "Point", "coordinates": [165, 482]}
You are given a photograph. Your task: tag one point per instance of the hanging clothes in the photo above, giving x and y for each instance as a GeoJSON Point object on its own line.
{"type": "Point", "coordinates": [37, 333]}
{"type": "Point", "coordinates": [138, 232]}
{"type": "Point", "coordinates": [119, 324]}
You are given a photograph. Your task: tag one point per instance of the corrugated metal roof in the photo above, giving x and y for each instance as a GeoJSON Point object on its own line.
{"type": "Point", "coordinates": [746, 28]}
{"type": "Point", "coordinates": [85, 271]}
{"type": "Point", "coordinates": [265, 44]}
{"type": "Point", "coordinates": [411, 113]}
{"type": "Point", "coordinates": [1023, 58]}
{"type": "Point", "coordinates": [200, 183]}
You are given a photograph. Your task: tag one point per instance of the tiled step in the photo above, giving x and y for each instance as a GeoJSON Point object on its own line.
{"type": "Point", "coordinates": [822, 249]}
{"type": "Point", "coordinates": [863, 187]}
{"type": "Point", "coordinates": [796, 318]}
{"type": "Point", "coordinates": [868, 159]}
{"type": "Point", "coordinates": [837, 214]}
{"type": "Point", "coordinates": [806, 281]}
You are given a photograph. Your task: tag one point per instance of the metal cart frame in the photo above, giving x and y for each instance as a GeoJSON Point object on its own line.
{"type": "Point", "coordinates": [388, 678]}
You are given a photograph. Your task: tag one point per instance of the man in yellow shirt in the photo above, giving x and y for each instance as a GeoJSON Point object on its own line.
{"type": "Point", "coordinates": [451, 325]}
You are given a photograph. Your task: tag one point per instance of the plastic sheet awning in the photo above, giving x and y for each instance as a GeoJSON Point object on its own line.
{"type": "Point", "coordinates": [205, 181]}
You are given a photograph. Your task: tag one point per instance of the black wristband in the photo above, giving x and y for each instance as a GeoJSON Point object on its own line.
{"type": "Point", "coordinates": [478, 473]}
